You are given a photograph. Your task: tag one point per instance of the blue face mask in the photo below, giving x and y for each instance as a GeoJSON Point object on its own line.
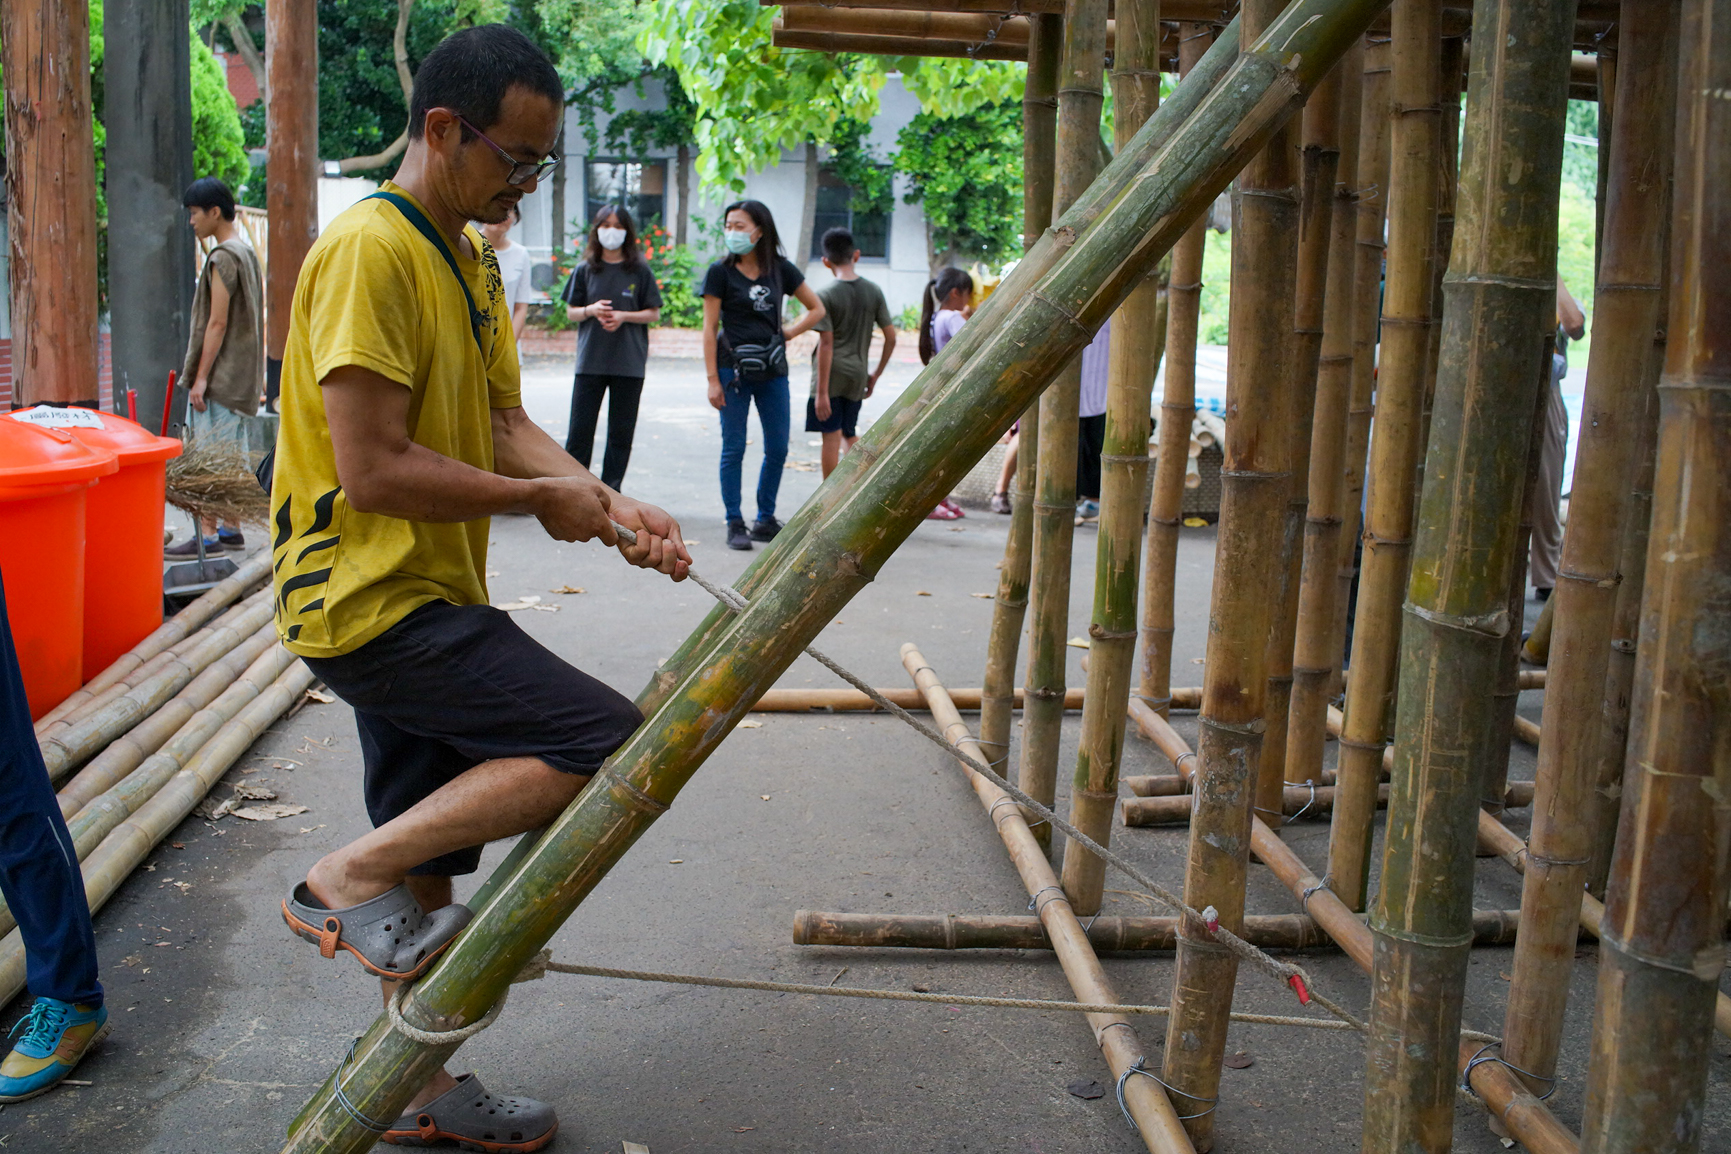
{"type": "Point", "coordinates": [738, 241]}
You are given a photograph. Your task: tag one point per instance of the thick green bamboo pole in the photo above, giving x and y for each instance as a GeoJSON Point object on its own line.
{"type": "Point", "coordinates": [1177, 413]}
{"type": "Point", "coordinates": [1449, 99]}
{"type": "Point", "coordinates": [1406, 318]}
{"type": "Point", "coordinates": [1501, 284]}
{"type": "Point", "coordinates": [1132, 361]}
{"type": "Point", "coordinates": [1043, 329]}
{"type": "Point", "coordinates": [1315, 148]}
{"type": "Point", "coordinates": [1315, 655]}
{"type": "Point", "coordinates": [1372, 189]}
{"type": "Point", "coordinates": [1626, 315]}
{"type": "Point", "coordinates": [1249, 564]}
{"type": "Point", "coordinates": [1010, 607]}
{"type": "Point", "coordinates": [1080, 98]}
{"type": "Point", "coordinates": [910, 406]}
{"type": "Point", "coordinates": [1662, 943]}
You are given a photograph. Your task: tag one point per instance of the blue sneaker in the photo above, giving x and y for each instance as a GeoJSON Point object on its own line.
{"type": "Point", "coordinates": [57, 1035]}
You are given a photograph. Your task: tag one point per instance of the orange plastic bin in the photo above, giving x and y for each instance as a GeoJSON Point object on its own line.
{"type": "Point", "coordinates": [123, 538]}
{"type": "Point", "coordinates": [45, 474]}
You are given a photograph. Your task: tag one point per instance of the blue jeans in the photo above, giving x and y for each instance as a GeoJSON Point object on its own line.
{"type": "Point", "coordinates": [39, 871]}
{"type": "Point", "coordinates": [772, 415]}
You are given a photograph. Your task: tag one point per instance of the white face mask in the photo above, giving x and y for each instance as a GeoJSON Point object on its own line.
{"type": "Point", "coordinates": [612, 239]}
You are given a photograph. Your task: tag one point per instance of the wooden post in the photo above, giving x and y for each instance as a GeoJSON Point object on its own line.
{"type": "Point", "coordinates": [1372, 189]}
{"type": "Point", "coordinates": [50, 201]}
{"type": "Point", "coordinates": [1400, 381]}
{"type": "Point", "coordinates": [291, 36]}
{"type": "Point", "coordinates": [1010, 607]}
{"type": "Point", "coordinates": [1248, 565]}
{"type": "Point", "coordinates": [1501, 288]}
{"type": "Point", "coordinates": [1078, 151]}
{"type": "Point", "coordinates": [1133, 359]}
{"type": "Point", "coordinates": [1177, 412]}
{"type": "Point", "coordinates": [1626, 315]}
{"type": "Point", "coordinates": [1315, 654]}
{"type": "Point", "coordinates": [1662, 943]}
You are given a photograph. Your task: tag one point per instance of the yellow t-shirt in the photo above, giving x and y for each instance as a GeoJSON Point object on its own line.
{"type": "Point", "coordinates": [374, 292]}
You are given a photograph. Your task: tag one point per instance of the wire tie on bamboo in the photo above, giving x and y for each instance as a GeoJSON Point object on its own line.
{"type": "Point", "coordinates": [1493, 624]}
{"type": "Point", "coordinates": [1310, 801]}
{"type": "Point", "coordinates": [1156, 702]}
{"type": "Point", "coordinates": [1304, 898]}
{"type": "Point", "coordinates": [349, 1107]}
{"type": "Point", "coordinates": [1034, 902]}
{"type": "Point", "coordinates": [1137, 1067]}
{"type": "Point", "coordinates": [1482, 1057]}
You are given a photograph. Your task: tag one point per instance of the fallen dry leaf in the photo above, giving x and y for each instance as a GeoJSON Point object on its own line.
{"type": "Point", "coordinates": [764, 796]}
{"type": "Point", "coordinates": [675, 861]}
{"type": "Point", "coordinates": [212, 810]}
{"type": "Point", "coordinates": [569, 589]}
{"type": "Point", "coordinates": [921, 593]}
{"type": "Point", "coordinates": [131, 960]}
{"type": "Point", "coordinates": [310, 828]}
{"type": "Point", "coordinates": [183, 887]}
{"type": "Point", "coordinates": [323, 697]}
{"type": "Point", "coordinates": [527, 603]}
{"type": "Point", "coordinates": [1077, 642]}
{"type": "Point", "coordinates": [983, 596]}
{"type": "Point", "coordinates": [751, 725]}
{"type": "Point", "coordinates": [269, 812]}
{"type": "Point", "coordinates": [253, 791]}
{"type": "Point", "coordinates": [178, 844]}
{"type": "Point", "coordinates": [1087, 1088]}
{"type": "Point", "coordinates": [1238, 1061]}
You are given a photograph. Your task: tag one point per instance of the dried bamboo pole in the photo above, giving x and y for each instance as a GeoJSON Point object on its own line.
{"type": "Point", "coordinates": [1406, 317]}
{"type": "Point", "coordinates": [1625, 631]}
{"type": "Point", "coordinates": [1105, 934]}
{"type": "Point", "coordinates": [1500, 285]}
{"type": "Point", "coordinates": [1041, 330]}
{"type": "Point", "coordinates": [1371, 186]}
{"type": "Point", "coordinates": [171, 632]}
{"type": "Point", "coordinates": [125, 753]}
{"type": "Point", "coordinates": [1177, 412]}
{"type": "Point", "coordinates": [1132, 361]}
{"type": "Point", "coordinates": [1316, 656]}
{"type": "Point", "coordinates": [1517, 794]}
{"type": "Point", "coordinates": [1662, 945]}
{"type": "Point", "coordinates": [1537, 648]}
{"type": "Point", "coordinates": [1080, 99]}
{"type": "Point", "coordinates": [1449, 100]}
{"type": "Point", "coordinates": [1249, 562]}
{"type": "Point", "coordinates": [67, 748]}
{"type": "Point", "coordinates": [1626, 309]}
{"type": "Point", "coordinates": [129, 844]}
{"type": "Point", "coordinates": [1296, 800]}
{"type": "Point", "coordinates": [910, 408]}
{"type": "Point", "coordinates": [853, 701]}
{"type": "Point", "coordinates": [1010, 607]}
{"type": "Point", "coordinates": [1156, 1121]}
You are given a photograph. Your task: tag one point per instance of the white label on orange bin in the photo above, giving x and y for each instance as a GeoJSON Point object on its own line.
{"type": "Point", "coordinates": [50, 417]}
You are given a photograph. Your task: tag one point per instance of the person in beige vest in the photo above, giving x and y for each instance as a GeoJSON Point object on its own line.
{"type": "Point", "coordinates": [224, 368]}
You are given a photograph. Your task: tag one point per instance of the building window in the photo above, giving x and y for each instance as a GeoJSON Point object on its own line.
{"type": "Point", "coordinates": [836, 209]}
{"type": "Point", "coordinates": [640, 185]}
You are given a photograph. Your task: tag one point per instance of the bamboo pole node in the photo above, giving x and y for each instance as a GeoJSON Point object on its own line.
{"type": "Point", "coordinates": [1492, 624]}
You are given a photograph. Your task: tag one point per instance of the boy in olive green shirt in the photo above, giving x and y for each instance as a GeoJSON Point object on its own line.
{"type": "Point", "coordinates": [839, 380]}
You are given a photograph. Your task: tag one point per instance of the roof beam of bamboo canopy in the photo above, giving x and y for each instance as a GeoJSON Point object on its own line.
{"type": "Point", "coordinates": [981, 38]}
{"type": "Point", "coordinates": [1085, 273]}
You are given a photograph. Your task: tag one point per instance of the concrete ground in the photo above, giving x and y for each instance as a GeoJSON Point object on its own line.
{"type": "Point", "coordinates": [224, 1023]}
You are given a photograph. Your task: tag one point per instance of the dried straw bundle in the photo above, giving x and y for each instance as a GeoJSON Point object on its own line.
{"type": "Point", "coordinates": [214, 479]}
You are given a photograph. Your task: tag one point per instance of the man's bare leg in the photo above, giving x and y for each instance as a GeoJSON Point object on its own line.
{"type": "Point", "coordinates": [831, 452]}
{"type": "Point", "coordinates": [433, 893]}
{"type": "Point", "coordinates": [1008, 472]}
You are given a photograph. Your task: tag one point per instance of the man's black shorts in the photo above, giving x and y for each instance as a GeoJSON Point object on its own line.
{"type": "Point", "coordinates": [843, 416]}
{"type": "Point", "coordinates": [450, 686]}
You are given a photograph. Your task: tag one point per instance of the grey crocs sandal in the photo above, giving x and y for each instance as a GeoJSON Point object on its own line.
{"type": "Point", "coordinates": [390, 935]}
{"type": "Point", "coordinates": [477, 1120]}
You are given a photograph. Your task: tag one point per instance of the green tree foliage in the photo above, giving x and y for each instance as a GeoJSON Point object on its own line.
{"type": "Point", "coordinates": [967, 171]}
{"type": "Point", "coordinates": [218, 143]}
{"type": "Point", "coordinates": [854, 162]}
{"type": "Point", "coordinates": [361, 106]}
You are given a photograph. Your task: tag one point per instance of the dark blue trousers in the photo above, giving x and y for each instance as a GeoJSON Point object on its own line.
{"type": "Point", "coordinates": [39, 871]}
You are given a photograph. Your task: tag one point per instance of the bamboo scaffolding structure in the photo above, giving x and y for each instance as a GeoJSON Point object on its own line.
{"type": "Point", "coordinates": [1080, 99]}
{"type": "Point", "coordinates": [1156, 1121]}
{"type": "Point", "coordinates": [1501, 288]}
{"type": "Point", "coordinates": [853, 701]}
{"type": "Point", "coordinates": [1626, 315]}
{"type": "Point", "coordinates": [1406, 319]}
{"type": "Point", "coordinates": [1248, 563]}
{"type": "Point", "coordinates": [1173, 808]}
{"type": "Point", "coordinates": [1177, 411]}
{"type": "Point", "coordinates": [1517, 794]}
{"type": "Point", "coordinates": [125, 753]}
{"type": "Point", "coordinates": [1316, 655]}
{"type": "Point", "coordinates": [846, 542]}
{"type": "Point", "coordinates": [1010, 607]}
{"type": "Point", "coordinates": [1106, 934]}
{"type": "Point", "coordinates": [952, 362]}
{"type": "Point", "coordinates": [1371, 185]}
{"type": "Point", "coordinates": [1449, 90]}
{"type": "Point", "coordinates": [1662, 948]}
{"type": "Point", "coordinates": [64, 750]}
{"type": "Point", "coordinates": [1133, 358]}
{"type": "Point", "coordinates": [123, 850]}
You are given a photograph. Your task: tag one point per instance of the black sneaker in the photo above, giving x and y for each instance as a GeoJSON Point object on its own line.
{"type": "Point", "coordinates": [232, 539]}
{"type": "Point", "coordinates": [765, 530]}
{"type": "Point", "coordinates": [187, 550]}
{"type": "Point", "coordinates": [737, 537]}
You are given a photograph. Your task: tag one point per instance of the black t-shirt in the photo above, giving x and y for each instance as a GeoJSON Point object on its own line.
{"type": "Point", "coordinates": [751, 309]}
{"type": "Point", "coordinates": [624, 352]}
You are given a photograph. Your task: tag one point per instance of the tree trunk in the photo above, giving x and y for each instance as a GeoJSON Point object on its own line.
{"type": "Point", "coordinates": [800, 250]}
{"type": "Point", "coordinates": [561, 217]}
{"type": "Point", "coordinates": [291, 194]}
{"type": "Point", "coordinates": [682, 183]}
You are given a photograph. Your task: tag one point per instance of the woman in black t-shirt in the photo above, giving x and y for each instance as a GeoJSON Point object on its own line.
{"type": "Point", "coordinates": [745, 351]}
{"type": "Point", "coordinates": [614, 294]}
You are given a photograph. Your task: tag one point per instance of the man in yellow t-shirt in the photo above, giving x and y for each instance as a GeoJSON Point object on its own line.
{"type": "Point", "coordinates": [402, 433]}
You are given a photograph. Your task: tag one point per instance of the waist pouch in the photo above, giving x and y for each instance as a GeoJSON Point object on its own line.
{"type": "Point", "coordinates": [761, 362]}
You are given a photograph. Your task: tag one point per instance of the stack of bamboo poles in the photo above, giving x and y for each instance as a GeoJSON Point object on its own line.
{"type": "Point", "coordinates": [146, 739]}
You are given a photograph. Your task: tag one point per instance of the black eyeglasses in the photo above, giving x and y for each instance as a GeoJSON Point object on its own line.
{"type": "Point", "coordinates": [521, 172]}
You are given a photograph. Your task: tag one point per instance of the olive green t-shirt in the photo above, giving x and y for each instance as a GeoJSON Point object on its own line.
{"type": "Point", "coordinates": [852, 309]}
